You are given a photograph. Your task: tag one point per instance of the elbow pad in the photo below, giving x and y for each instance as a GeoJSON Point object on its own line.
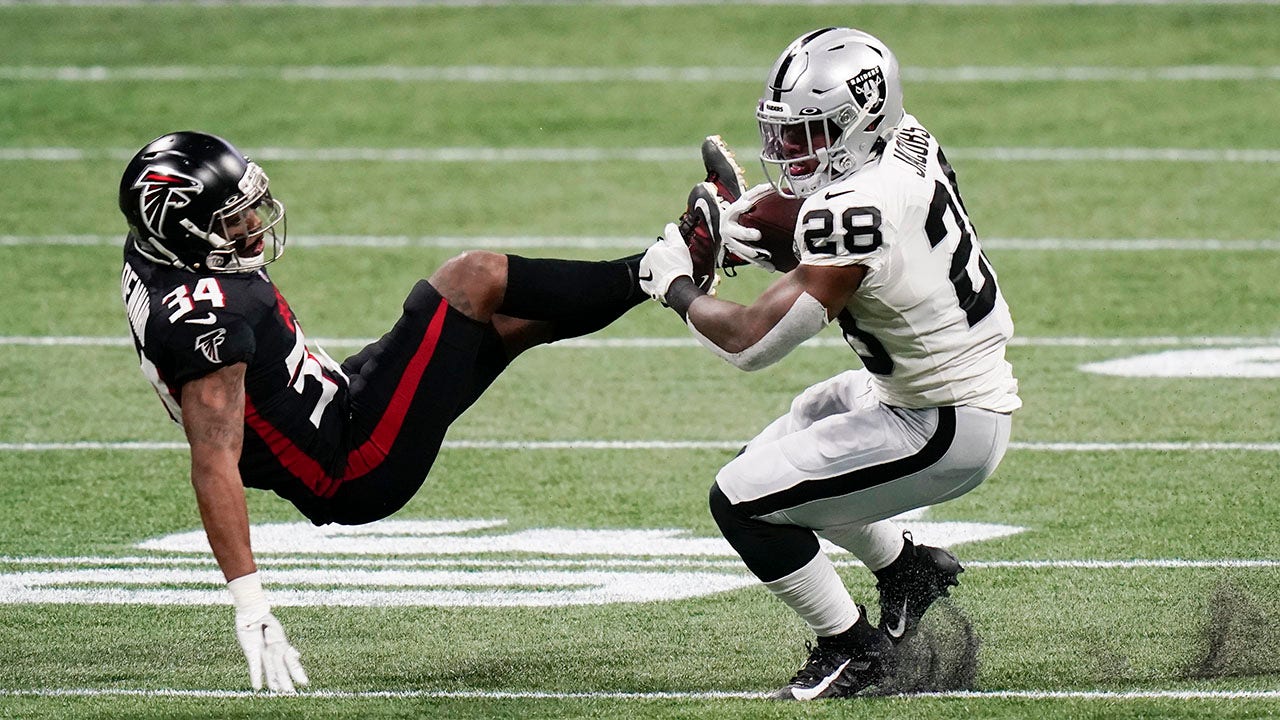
{"type": "Point", "coordinates": [805, 319]}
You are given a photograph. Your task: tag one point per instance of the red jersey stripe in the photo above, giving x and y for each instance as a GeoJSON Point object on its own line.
{"type": "Point", "coordinates": [297, 462]}
{"type": "Point", "coordinates": [373, 451]}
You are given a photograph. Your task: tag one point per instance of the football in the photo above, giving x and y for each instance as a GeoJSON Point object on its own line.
{"type": "Point", "coordinates": [775, 217]}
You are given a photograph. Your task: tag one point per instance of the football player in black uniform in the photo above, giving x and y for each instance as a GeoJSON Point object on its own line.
{"type": "Point", "coordinates": [346, 443]}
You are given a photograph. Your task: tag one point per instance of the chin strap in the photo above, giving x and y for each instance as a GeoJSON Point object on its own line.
{"type": "Point", "coordinates": [156, 253]}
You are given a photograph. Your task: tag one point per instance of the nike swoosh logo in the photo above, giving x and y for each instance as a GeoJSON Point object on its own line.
{"type": "Point", "coordinates": [896, 631]}
{"type": "Point", "coordinates": [645, 278]}
{"type": "Point", "coordinates": [705, 207]}
{"type": "Point", "coordinates": [843, 192]}
{"type": "Point", "coordinates": [816, 690]}
{"type": "Point", "coordinates": [206, 320]}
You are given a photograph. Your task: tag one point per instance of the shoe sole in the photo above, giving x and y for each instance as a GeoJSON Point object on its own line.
{"type": "Point", "coordinates": [716, 157]}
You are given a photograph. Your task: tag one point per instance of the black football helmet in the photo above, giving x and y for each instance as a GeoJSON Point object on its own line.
{"type": "Point", "coordinates": [195, 202]}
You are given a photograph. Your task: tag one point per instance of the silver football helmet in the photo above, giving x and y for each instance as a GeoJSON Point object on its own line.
{"type": "Point", "coordinates": [831, 97]}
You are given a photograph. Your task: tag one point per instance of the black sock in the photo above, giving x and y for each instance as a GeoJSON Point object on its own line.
{"type": "Point", "coordinates": [856, 636]}
{"type": "Point", "coordinates": [577, 297]}
{"type": "Point", "coordinates": [900, 564]}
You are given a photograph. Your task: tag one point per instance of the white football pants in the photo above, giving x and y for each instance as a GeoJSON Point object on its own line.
{"type": "Point", "coordinates": [840, 459]}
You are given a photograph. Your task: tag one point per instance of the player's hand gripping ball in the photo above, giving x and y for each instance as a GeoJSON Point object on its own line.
{"type": "Point", "coordinates": [760, 228]}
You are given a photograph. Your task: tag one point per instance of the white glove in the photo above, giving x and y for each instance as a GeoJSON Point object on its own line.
{"type": "Point", "coordinates": [663, 262]}
{"type": "Point", "coordinates": [740, 239]}
{"type": "Point", "coordinates": [269, 652]}
{"type": "Point", "coordinates": [263, 640]}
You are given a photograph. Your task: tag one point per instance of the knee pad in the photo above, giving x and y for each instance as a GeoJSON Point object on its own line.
{"type": "Point", "coordinates": [770, 551]}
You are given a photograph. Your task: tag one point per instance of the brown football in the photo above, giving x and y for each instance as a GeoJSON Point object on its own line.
{"type": "Point", "coordinates": [775, 217]}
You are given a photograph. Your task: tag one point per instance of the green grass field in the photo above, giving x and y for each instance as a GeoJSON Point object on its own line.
{"type": "Point", "coordinates": [1128, 215]}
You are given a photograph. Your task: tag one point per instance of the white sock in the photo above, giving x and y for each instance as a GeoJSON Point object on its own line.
{"type": "Point", "coordinates": [876, 545]}
{"type": "Point", "coordinates": [816, 593]}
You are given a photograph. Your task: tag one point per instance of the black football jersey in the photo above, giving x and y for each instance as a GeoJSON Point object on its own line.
{"type": "Point", "coordinates": [186, 325]}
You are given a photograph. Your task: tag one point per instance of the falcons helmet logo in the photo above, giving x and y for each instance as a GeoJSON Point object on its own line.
{"type": "Point", "coordinates": [162, 189]}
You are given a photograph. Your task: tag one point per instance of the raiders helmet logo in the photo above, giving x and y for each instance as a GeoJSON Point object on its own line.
{"type": "Point", "coordinates": [209, 343]}
{"type": "Point", "coordinates": [868, 90]}
{"type": "Point", "coordinates": [162, 189]}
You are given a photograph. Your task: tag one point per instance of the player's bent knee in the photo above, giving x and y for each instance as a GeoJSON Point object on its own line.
{"type": "Point", "coordinates": [474, 270]}
{"type": "Point", "coordinates": [722, 509]}
{"type": "Point", "coordinates": [770, 551]}
{"type": "Point", "coordinates": [473, 283]}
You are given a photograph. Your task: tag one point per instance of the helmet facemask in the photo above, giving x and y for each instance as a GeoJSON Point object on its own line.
{"type": "Point", "coordinates": [243, 233]}
{"type": "Point", "coordinates": [799, 158]}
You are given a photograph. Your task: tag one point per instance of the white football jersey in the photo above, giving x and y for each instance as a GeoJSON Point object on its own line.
{"type": "Point", "coordinates": [929, 320]}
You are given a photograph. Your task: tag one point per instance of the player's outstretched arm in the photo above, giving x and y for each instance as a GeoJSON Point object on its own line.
{"type": "Point", "coordinates": [793, 309]}
{"type": "Point", "coordinates": [796, 307]}
{"type": "Point", "coordinates": [213, 417]}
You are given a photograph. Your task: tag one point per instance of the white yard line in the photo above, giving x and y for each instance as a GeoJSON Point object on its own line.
{"type": "Point", "coordinates": [271, 560]}
{"type": "Point", "coordinates": [1105, 695]}
{"type": "Point", "coordinates": [1155, 564]}
{"type": "Point", "coordinates": [339, 562]}
{"type": "Point", "coordinates": [1123, 244]}
{"type": "Point", "coordinates": [1110, 695]}
{"type": "Point", "coordinates": [360, 4]}
{"type": "Point", "coordinates": [651, 343]}
{"type": "Point", "coordinates": [625, 242]}
{"type": "Point", "coordinates": [578, 75]}
{"type": "Point", "coordinates": [726, 445]}
{"type": "Point", "coordinates": [473, 155]}
{"type": "Point", "coordinates": [1020, 154]}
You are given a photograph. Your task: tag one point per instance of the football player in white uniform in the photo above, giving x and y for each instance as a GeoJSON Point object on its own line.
{"type": "Point", "coordinates": [886, 249]}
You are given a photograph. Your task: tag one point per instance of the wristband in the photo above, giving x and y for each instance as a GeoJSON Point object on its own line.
{"type": "Point", "coordinates": [681, 294]}
{"type": "Point", "coordinates": [251, 602]}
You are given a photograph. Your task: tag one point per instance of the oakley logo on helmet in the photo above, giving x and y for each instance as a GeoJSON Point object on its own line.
{"type": "Point", "coordinates": [162, 189]}
{"type": "Point", "coordinates": [868, 89]}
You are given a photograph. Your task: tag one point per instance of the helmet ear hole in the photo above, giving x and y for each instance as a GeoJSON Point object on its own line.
{"type": "Point", "coordinates": [834, 131]}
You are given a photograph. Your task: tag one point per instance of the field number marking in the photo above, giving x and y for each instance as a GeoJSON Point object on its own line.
{"type": "Point", "coordinates": [470, 543]}
{"type": "Point", "coordinates": [1260, 362]}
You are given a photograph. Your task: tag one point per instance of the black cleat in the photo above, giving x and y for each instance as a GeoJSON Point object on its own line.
{"type": "Point", "coordinates": [700, 223]}
{"type": "Point", "coordinates": [700, 228]}
{"type": "Point", "coordinates": [722, 168]}
{"type": "Point", "coordinates": [841, 666]}
{"type": "Point", "coordinates": [911, 583]}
